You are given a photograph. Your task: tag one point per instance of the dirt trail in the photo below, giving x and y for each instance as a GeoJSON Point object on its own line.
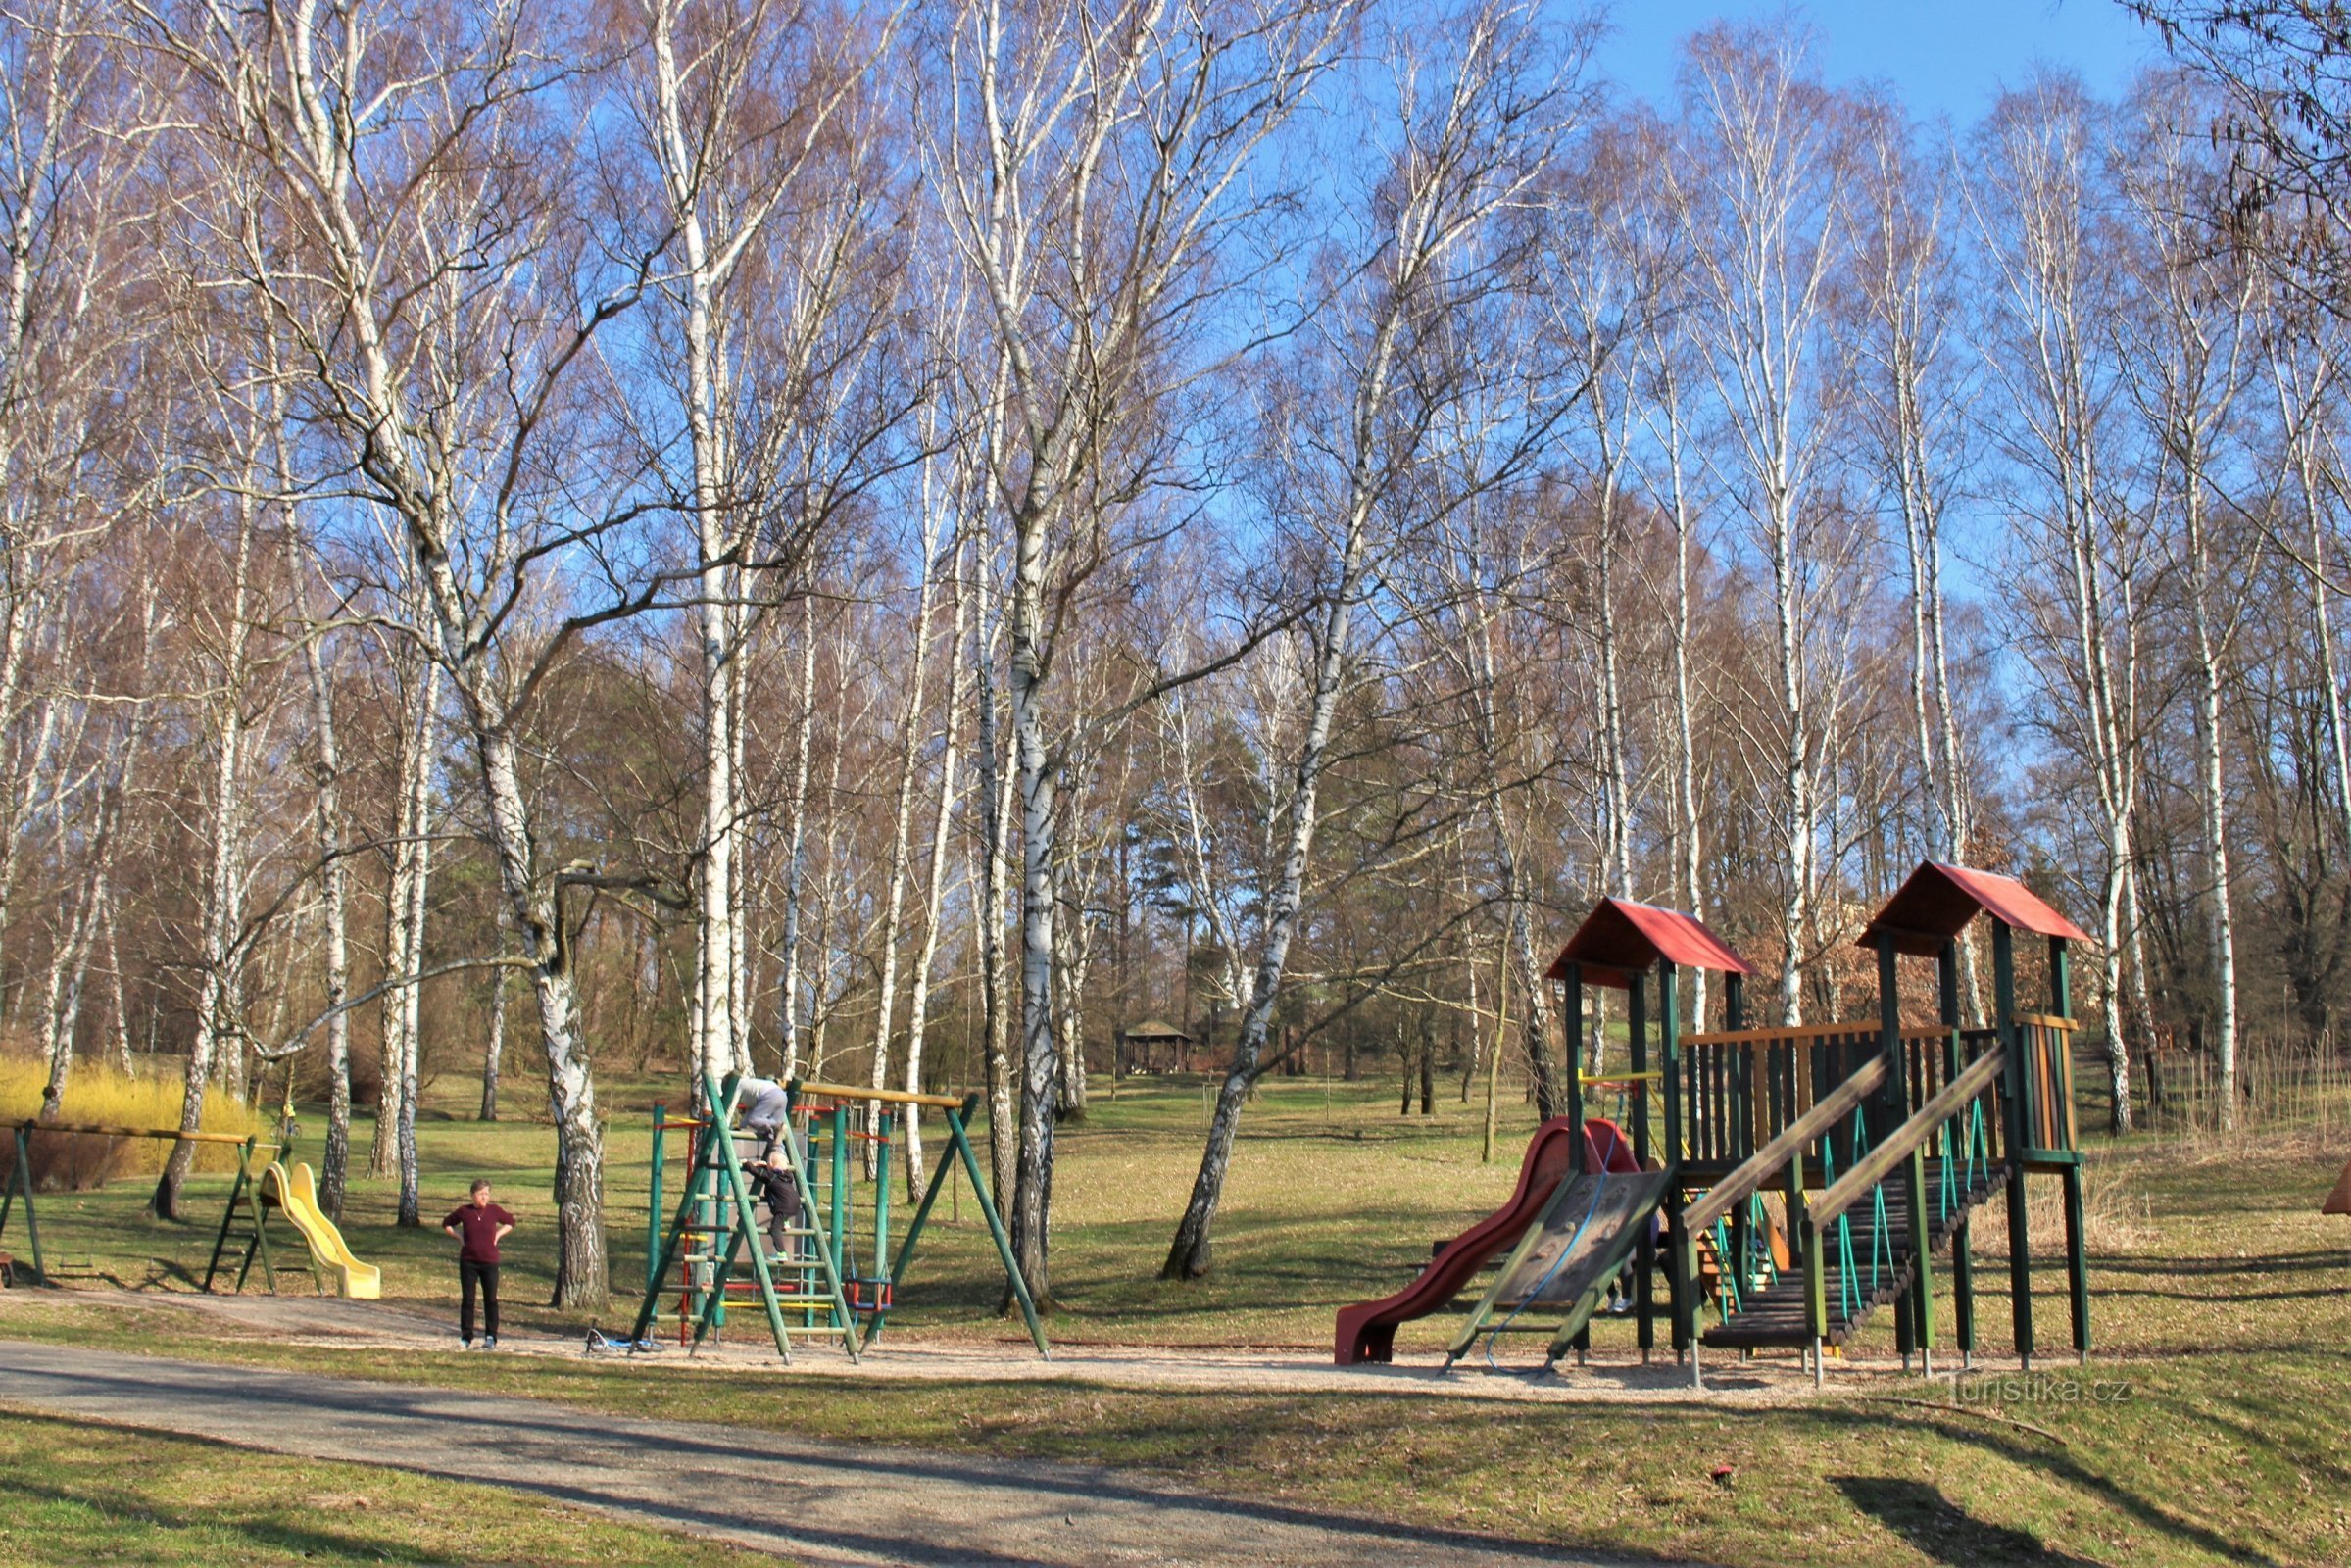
{"type": "Point", "coordinates": [819, 1503]}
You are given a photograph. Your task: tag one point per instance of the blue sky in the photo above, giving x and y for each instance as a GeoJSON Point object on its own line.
{"type": "Point", "coordinates": [1942, 57]}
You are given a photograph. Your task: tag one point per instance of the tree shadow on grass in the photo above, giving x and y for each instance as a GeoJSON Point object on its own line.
{"type": "Point", "coordinates": [1942, 1531]}
{"type": "Point", "coordinates": [281, 1539]}
{"type": "Point", "coordinates": [2201, 1267]}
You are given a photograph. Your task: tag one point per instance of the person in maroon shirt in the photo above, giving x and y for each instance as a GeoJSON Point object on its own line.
{"type": "Point", "coordinates": [478, 1228]}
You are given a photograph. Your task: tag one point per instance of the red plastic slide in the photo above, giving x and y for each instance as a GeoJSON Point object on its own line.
{"type": "Point", "coordinates": [1367, 1330]}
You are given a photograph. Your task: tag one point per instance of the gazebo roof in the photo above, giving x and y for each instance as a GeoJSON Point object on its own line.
{"type": "Point", "coordinates": [1938, 901]}
{"type": "Point", "coordinates": [1620, 937]}
{"type": "Point", "coordinates": [1154, 1029]}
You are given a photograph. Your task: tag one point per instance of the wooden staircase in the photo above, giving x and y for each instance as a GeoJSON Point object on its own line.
{"type": "Point", "coordinates": [1776, 1316]}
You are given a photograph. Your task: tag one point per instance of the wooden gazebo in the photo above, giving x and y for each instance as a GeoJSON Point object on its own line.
{"type": "Point", "coordinates": [1150, 1038]}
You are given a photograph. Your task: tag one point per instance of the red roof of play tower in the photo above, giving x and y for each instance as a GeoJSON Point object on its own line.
{"type": "Point", "coordinates": [1938, 901]}
{"type": "Point", "coordinates": [1620, 936]}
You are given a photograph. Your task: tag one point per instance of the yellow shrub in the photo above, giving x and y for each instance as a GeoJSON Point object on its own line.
{"type": "Point", "coordinates": [98, 1092]}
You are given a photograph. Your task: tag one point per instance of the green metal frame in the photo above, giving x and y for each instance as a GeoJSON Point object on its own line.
{"type": "Point", "coordinates": [246, 1194]}
{"type": "Point", "coordinates": [717, 1185]}
{"type": "Point", "coordinates": [959, 1135]}
{"type": "Point", "coordinates": [20, 1184]}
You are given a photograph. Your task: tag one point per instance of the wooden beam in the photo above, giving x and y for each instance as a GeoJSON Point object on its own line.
{"type": "Point", "coordinates": [1880, 1162]}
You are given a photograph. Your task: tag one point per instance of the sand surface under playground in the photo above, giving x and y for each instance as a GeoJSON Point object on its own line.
{"type": "Point", "coordinates": [331, 1322]}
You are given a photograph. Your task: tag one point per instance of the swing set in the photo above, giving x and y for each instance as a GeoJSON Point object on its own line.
{"type": "Point", "coordinates": [245, 1219]}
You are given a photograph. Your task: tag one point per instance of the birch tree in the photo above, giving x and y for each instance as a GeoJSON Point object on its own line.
{"type": "Point", "coordinates": [1672, 475]}
{"type": "Point", "coordinates": [74, 306]}
{"type": "Point", "coordinates": [2305, 366]}
{"type": "Point", "coordinates": [1914, 401]}
{"type": "Point", "coordinates": [1089, 159]}
{"type": "Point", "coordinates": [1481, 106]}
{"type": "Point", "coordinates": [1763, 193]}
{"type": "Point", "coordinates": [926, 961]}
{"type": "Point", "coordinates": [2034, 206]}
{"type": "Point", "coordinates": [747, 104]}
{"type": "Point", "coordinates": [2187, 363]}
{"type": "Point", "coordinates": [69, 969]}
{"type": "Point", "coordinates": [432, 258]}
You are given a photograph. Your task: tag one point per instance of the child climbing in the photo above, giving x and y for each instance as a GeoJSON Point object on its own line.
{"type": "Point", "coordinates": [765, 1107]}
{"type": "Point", "coordinates": [477, 1228]}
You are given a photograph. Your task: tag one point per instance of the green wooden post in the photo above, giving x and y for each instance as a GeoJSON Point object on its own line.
{"type": "Point", "coordinates": [653, 1200]}
{"type": "Point", "coordinates": [1680, 1273]}
{"type": "Point", "coordinates": [1571, 1016]}
{"type": "Point", "coordinates": [1922, 1274]}
{"type": "Point", "coordinates": [837, 1199]}
{"type": "Point", "coordinates": [1571, 1021]}
{"type": "Point", "coordinates": [2061, 1003]}
{"type": "Point", "coordinates": [1920, 1295]}
{"type": "Point", "coordinates": [2020, 1245]}
{"type": "Point", "coordinates": [1894, 1100]}
{"type": "Point", "coordinates": [1742, 1144]}
{"type": "Point", "coordinates": [1963, 1264]}
{"type": "Point", "coordinates": [1645, 1253]}
{"type": "Point", "coordinates": [2077, 1256]}
{"type": "Point", "coordinates": [881, 1208]}
{"type": "Point", "coordinates": [1816, 1291]}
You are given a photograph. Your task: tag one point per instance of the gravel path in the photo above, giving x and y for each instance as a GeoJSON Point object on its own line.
{"type": "Point", "coordinates": [818, 1503]}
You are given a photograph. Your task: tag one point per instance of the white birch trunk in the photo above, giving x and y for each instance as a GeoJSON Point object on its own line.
{"type": "Point", "coordinates": [94, 911]}
{"type": "Point", "coordinates": [912, 725]}
{"type": "Point", "coordinates": [493, 1055]}
{"type": "Point", "coordinates": [225, 871]}
{"type": "Point", "coordinates": [793, 1021]}
{"type": "Point", "coordinates": [334, 1165]}
{"type": "Point", "coordinates": [934, 899]}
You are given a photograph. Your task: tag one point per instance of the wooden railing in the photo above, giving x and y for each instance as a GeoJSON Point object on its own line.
{"type": "Point", "coordinates": [1741, 1089]}
{"type": "Point", "coordinates": [1924, 1128]}
{"type": "Point", "coordinates": [1959, 1124]}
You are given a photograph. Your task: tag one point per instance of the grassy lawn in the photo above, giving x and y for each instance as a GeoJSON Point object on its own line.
{"type": "Point", "coordinates": [1332, 1197]}
{"type": "Point", "coordinates": [84, 1494]}
{"type": "Point", "coordinates": [2210, 1426]}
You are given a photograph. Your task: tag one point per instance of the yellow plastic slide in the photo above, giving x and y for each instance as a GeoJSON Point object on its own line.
{"type": "Point", "coordinates": [298, 1196]}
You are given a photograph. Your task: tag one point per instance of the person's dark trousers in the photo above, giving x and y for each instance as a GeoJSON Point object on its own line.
{"type": "Point", "coordinates": [471, 1274]}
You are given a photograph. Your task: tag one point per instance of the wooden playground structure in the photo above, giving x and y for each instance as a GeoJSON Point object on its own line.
{"type": "Point", "coordinates": [806, 1269]}
{"type": "Point", "coordinates": [1878, 1139]}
